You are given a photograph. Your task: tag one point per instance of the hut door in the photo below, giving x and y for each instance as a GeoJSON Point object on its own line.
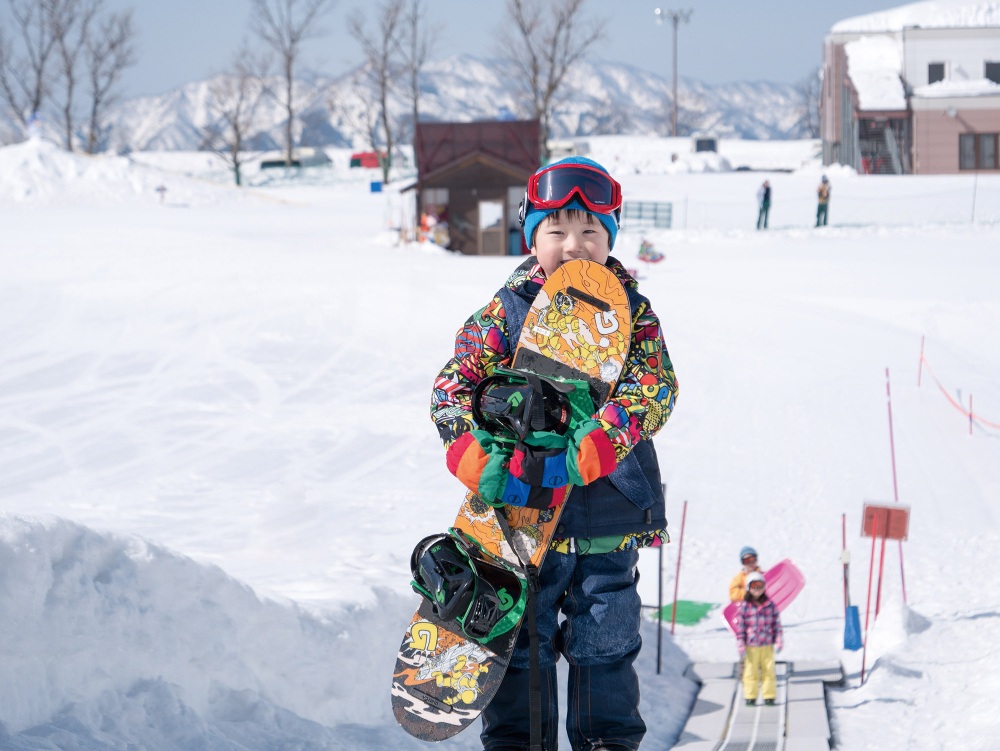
{"type": "Point", "coordinates": [492, 232]}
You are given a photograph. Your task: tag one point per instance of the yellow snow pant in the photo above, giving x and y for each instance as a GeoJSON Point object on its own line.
{"type": "Point", "coordinates": [759, 669]}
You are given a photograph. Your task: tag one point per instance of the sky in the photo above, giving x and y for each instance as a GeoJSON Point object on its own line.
{"type": "Point", "coordinates": [211, 483]}
{"type": "Point", "coordinates": [724, 41]}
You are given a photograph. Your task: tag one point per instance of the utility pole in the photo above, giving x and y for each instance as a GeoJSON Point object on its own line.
{"type": "Point", "coordinates": [676, 17]}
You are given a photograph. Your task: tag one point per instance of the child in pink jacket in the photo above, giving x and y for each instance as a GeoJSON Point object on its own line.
{"type": "Point", "coordinates": [758, 636]}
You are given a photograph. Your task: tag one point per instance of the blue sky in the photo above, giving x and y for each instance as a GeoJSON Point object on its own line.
{"type": "Point", "coordinates": [725, 40]}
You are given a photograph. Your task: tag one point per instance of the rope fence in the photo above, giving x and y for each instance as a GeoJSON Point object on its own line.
{"type": "Point", "coordinates": [969, 413]}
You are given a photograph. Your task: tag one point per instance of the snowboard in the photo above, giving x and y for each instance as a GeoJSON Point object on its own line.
{"type": "Point", "coordinates": [783, 582]}
{"type": "Point", "coordinates": [577, 331]}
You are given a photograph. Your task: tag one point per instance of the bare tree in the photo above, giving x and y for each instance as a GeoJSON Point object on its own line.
{"type": "Point", "coordinates": [545, 39]}
{"type": "Point", "coordinates": [71, 27]}
{"type": "Point", "coordinates": [416, 50]}
{"type": "Point", "coordinates": [26, 78]}
{"type": "Point", "coordinates": [809, 90]}
{"type": "Point", "coordinates": [109, 51]}
{"type": "Point", "coordinates": [284, 25]}
{"type": "Point", "coordinates": [381, 66]}
{"type": "Point", "coordinates": [235, 95]}
{"type": "Point", "coordinates": [363, 117]}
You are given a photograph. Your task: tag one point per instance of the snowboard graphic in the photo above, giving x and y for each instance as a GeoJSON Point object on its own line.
{"type": "Point", "coordinates": [783, 582]}
{"type": "Point", "coordinates": [577, 330]}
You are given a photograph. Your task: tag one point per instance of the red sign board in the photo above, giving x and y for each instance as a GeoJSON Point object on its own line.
{"type": "Point", "coordinates": [890, 522]}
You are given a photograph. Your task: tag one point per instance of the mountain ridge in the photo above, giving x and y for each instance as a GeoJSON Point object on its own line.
{"type": "Point", "coordinates": [598, 98]}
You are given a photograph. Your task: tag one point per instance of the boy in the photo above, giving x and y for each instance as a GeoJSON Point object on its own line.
{"type": "Point", "coordinates": [758, 638]}
{"type": "Point", "coordinates": [571, 210]}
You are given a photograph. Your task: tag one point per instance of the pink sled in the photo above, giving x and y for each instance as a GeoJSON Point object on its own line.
{"type": "Point", "coordinates": [783, 580]}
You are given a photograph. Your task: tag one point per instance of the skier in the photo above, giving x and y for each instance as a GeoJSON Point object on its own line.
{"type": "Point", "coordinates": [758, 637]}
{"type": "Point", "coordinates": [571, 210]}
{"type": "Point", "coordinates": [823, 203]}
{"type": "Point", "coordinates": [763, 204]}
{"type": "Point", "coordinates": [738, 585]}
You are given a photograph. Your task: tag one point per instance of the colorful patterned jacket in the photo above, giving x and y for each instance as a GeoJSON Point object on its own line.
{"type": "Point", "coordinates": [758, 624]}
{"type": "Point", "coordinates": [638, 408]}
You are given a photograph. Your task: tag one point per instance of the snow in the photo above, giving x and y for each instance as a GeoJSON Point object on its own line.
{"type": "Point", "coordinates": [874, 65]}
{"type": "Point", "coordinates": [216, 451]}
{"type": "Point", "coordinates": [951, 88]}
{"type": "Point", "coordinates": [931, 14]}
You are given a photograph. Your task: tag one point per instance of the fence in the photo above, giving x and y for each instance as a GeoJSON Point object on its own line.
{"type": "Point", "coordinates": [972, 417]}
{"type": "Point", "coordinates": [647, 214]}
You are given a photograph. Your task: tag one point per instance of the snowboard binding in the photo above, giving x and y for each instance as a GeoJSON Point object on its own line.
{"type": "Point", "coordinates": [464, 584]}
{"type": "Point", "coordinates": [513, 403]}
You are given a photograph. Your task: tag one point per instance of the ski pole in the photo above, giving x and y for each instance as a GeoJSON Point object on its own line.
{"type": "Point", "coordinates": [659, 597]}
{"type": "Point", "coordinates": [677, 577]}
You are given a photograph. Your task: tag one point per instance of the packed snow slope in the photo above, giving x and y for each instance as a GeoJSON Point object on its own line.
{"type": "Point", "coordinates": [216, 456]}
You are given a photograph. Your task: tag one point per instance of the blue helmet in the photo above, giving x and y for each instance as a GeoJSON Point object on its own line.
{"type": "Point", "coordinates": [531, 217]}
{"type": "Point", "coordinates": [745, 551]}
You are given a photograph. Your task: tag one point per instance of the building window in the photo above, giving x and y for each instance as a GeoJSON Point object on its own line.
{"type": "Point", "coordinates": [986, 148]}
{"type": "Point", "coordinates": [978, 151]}
{"type": "Point", "coordinates": [435, 197]}
{"type": "Point", "coordinates": [935, 72]}
{"type": "Point", "coordinates": [992, 72]}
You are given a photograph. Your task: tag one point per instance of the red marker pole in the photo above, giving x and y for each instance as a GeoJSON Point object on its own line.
{"type": "Point", "coordinates": [892, 453]}
{"type": "Point", "coordinates": [868, 600]}
{"type": "Point", "coordinates": [892, 443]}
{"type": "Point", "coordinates": [881, 568]}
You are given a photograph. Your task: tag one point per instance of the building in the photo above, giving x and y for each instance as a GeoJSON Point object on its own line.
{"type": "Point", "coordinates": [914, 89]}
{"type": "Point", "coordinates": [301, 157]}
{"type": "Point", "coordinates": [472, 176]}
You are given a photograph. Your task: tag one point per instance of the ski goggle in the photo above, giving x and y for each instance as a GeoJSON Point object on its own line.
{"type": "Point", "coordinates": [555, 186]}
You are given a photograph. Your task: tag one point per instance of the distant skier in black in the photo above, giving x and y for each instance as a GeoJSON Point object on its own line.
{"type": "Point", "coordinates": [763, 204]}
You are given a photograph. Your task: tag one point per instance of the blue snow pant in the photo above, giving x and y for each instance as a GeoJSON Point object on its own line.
{"type": "Point", "coordinates": [599, 636]}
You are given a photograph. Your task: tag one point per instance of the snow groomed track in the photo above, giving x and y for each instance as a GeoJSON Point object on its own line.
{"type": "Point", "coordinates": [722, 721]}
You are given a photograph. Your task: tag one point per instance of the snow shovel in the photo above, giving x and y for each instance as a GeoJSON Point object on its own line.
{"type": "Point", "coordinates": [852, 620]}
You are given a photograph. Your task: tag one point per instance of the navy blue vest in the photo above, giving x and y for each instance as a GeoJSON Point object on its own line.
{"type": "Point", "coordinates": [630, 499]}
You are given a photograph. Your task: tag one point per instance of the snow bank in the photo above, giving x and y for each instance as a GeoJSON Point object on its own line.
{"type": "Point", "coordinates": [111, 639]}
{"type": "Point", "coordinates": [38, 171]}
{"type": "Point", "coordinates": [950, 88]}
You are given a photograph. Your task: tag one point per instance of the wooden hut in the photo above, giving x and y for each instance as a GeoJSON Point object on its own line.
{"type": "Point", "coordinates": [472, 176]}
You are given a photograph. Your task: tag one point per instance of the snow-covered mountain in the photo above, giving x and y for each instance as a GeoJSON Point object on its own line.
{"type": "Point", "coordinates": [600, 98]}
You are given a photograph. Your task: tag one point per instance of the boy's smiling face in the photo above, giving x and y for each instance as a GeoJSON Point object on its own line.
{"type": "Point", "coordinates": [568, 235]}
